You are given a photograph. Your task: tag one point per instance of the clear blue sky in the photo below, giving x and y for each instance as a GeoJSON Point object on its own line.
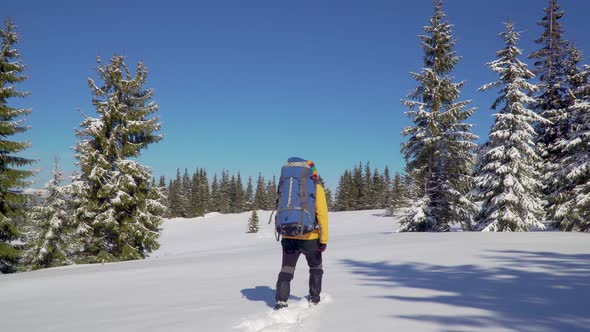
{"type": "Point", "coordinates": [231, 76]}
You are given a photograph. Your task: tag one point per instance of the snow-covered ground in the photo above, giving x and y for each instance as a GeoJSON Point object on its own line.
{"type": "Point", "coordinates": [210, 275]}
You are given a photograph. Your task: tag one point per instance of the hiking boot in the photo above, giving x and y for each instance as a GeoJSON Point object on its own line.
{"type": "Point", "coordinates": [280, 305]}
{"type": "Point", "coordinates": [311, 300]}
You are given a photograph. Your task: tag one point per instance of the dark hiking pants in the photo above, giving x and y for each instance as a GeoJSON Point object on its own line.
{"type": "Point", "coordinates": [291, 250]}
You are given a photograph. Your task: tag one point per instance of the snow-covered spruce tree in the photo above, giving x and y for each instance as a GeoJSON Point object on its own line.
{"type": "Point", "coordinates": [322, 183]}
{"type": "Point", "coordinates": [329, 199]}
{"type": "Point", "coordinates": [397, 195]}
{"type": "Point", "coordinates": [224, 192]}
{"type": "Point", "coordinates": [175, 198]}
{"type": "Point", "coordinates": [439, 149]}
{"type": "Point", "coordinates": [117, 210]}
{"type": "Point", "coordinates": [575, 76]}
{"type": "Point", "coordinates": [199, 202]}
{"type": "Point", "coordinates": [388, 183]}
{"type": "Point", "coordinates": [271, 193]}
{"type": "Point", "coordinates": [260, 198]}
{"type": "Point", "coordinates": [51, 233]}
{"type": "Point", "coordinates": [358, 186]}
{"type": "Point", "coordinates": [377, 191]}
{"type": "Point", "coordinates": [204, 190]}
{"type": "Point", "coordinates": [185, 196]}
{"type": "Point", "coordinates": [165, 194]}
{"type": "Point", "coordinates": [215, 202]}
{"type": "Point", "coordinates": [411, 188]}
{"type": "Point", "coordinates": [508, 176]}
{"type": "Point", "coordinates": [366, 189]}
{"type": "Point", "coordinates": [344, 193]}
{"type": "Point", "coordinates": [12, 175]}
{"type": "Point", "coordinates": [551, 100]}
{"type": "Point", "coordinates": [572, 208]}
{"type": "Point", "coordinates": [249, 195]}
{"type": "Point", "coordinates": [559, 185]}
{"type": "Point", "coordinates": [238, 195]}
{"type": "Point", "coordinates": [162, 182]}
{"type": "Point", "coordinates": [253, 223]}
{"type": "Point", "coordinates": [195, 198]}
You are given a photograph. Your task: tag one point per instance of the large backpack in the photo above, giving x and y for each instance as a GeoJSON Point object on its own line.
{"type": "Point", "coordinates": [296, 195]}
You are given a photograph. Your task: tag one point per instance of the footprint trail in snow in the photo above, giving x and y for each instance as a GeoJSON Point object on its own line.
{"type": "Point", "coordinates": [299, 316]}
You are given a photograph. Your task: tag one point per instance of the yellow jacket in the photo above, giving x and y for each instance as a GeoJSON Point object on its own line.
{"type": "Point", "coordinates": [321, 214]}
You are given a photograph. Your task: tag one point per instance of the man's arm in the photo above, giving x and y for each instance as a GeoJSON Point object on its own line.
{"type": "Point", "coordinates": [321, 211]}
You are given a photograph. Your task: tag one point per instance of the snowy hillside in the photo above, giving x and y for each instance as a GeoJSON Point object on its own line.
{"type": "Point", "coordinates": [210, 275]}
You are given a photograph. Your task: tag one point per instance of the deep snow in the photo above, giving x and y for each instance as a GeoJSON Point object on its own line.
{"type": "Point", "coordinates": [210, 275]}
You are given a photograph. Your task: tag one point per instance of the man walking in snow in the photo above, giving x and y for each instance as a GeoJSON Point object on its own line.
{"type": "Point", "coordinates": [296, 194]}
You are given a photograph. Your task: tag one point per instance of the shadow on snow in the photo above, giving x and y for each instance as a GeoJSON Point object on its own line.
{"type": "Point", "coordinates": [527, 291]}
{"type": "Point", "coordinates": [263, 294]}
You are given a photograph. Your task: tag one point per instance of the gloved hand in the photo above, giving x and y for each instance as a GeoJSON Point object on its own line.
{"type": "Point", "coordinates": [322, 247]}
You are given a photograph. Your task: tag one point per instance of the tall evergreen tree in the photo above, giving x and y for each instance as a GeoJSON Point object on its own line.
{"type": "Point", "coordinates": [397, 196]}
{"type": "Point", "coordinates": [215, 203]}
{"type": "Point", "coordinates": [271, 194]}
{"type": "Point", "coordinates": [358, 192]}
{"type": "Point", "coordinates": [249, 194]}
{"type": "Point", "coordinates": [377, 191]}
{"type": "Point", "coordinates": [388, 194]}
{"type": "Point", "coordinates": [508, 179]}
{"type": "Point", "coordinates": [260, 194]}
{"type": "Point", "coordinates": [118, 211]}
{"type": "Point", "coordinates": [164, 194]}
{"type": "Point", "coordinates": [197, 206]}
{"type": "Point", "coordinates": [162, 182]}
{"type": "Point", "coordinates": [204, 192]}
{"type": "Point", "coordinates": [329, 200]}
{"type": "Point", "coordinates": [238, 197]}
{"type": "Point", "coordinates": [572, 205]}
{"type": "Point", "coordinates": [344, 193]}
{"type": "Point", "coordinates": [439, 151]}
{"type": "Point", "coordinates": [185, 195]}
{"type": "Point", "coordinates": [12, 176]}
{"type": "Point", "coordinates": [175, 196]}
{"type": "Point", "coordinates": [575, 77]}
{"type": "Point", "coordinates": [551, 69]}
{"type": "Point", "coordinates": [558, 183]}
{"type": "Point", "coordinates": [51, 231]}
{"type": "Point", "coordinates": [368, 192]}
{"type": "Point", "coordinates": [225, 192]}
{"type": "Point", "coordinates": [231, 190]}
{"type": "Point", "coordinates": [411, 187]}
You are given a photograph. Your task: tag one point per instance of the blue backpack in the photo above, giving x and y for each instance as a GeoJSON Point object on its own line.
{"type": "Point", "coordinates": [296, 195]}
